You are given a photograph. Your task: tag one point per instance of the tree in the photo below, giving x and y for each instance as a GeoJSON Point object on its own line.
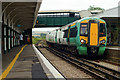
{"type": "Point", "coordinates": [95, 8]}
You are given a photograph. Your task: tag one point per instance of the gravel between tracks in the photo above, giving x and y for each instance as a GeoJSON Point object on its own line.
{"type": "Point", "coordinates": [67, 69]}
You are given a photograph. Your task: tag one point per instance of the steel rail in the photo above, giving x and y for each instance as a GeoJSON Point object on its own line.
{"type": "Point", "coordinates": [114, 72]}
{"type": "Point", "coordinates": [97, 65]}
{"type": "Point", "coordinates": [90, 69]}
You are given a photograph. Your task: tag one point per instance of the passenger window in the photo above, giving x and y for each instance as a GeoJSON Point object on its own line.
{"type": "Point", "coordinates": [65, 33]}
{"type": "Point", "coordinates": [84, 29]}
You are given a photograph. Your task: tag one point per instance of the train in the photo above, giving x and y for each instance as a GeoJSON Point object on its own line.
{"type": "Point", "coordinates": [87, 37]}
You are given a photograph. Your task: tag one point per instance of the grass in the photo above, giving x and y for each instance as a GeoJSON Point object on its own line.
{"type": "Point", "coordinates": [35, 40]}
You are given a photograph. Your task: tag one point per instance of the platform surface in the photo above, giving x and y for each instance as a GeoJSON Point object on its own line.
{"type": "Point", "coordinates": [113, 47]}
{"type": "Point", "coordinates": [27, 66]}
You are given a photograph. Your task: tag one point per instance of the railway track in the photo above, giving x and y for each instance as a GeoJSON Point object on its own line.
{"type": "Point", "coordinates": [96, 70]}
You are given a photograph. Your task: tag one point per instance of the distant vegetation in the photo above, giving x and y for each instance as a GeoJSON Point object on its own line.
{"type": "Point", "coordinates": [35, 39]}
{"type": "Point", "coordinates": [95, 8]}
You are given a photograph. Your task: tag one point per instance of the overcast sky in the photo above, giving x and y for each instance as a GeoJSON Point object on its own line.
{"type": "Point", "coordinates": [75, 5]}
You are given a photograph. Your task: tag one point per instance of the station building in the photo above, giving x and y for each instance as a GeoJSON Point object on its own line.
{"type": "Point", "coordinates": [16, 18]}
{"type": "Point", "coordinates": [56, 18]}
{"type": "Point", "coordinates": [112, 18]}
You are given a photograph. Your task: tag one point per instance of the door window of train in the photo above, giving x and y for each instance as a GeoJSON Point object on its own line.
{"type": "Point", "coordinates": [56, 35]}
{"type": "Point", "coordinates": [73, 32]}
{"type": "Point", "coordinates": [65, 33]}
{"type": "Point", "coordinates": [102, 29]}
{"type": "Point", "coordinates": [84, 29]}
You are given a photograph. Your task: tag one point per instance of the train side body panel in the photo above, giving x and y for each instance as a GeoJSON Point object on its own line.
{"type": "Point", "coordinates": [78, 35]}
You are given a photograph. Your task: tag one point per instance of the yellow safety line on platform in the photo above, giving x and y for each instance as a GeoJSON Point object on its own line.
{"type": "Point", "coordinates": [5, 73]}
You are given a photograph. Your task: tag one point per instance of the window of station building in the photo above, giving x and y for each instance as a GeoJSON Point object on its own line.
{"type": "Point", "coordinates": [102, 29]}
{"type": "Point", "coordinates": [84, 29]}
{"type": "Point", "coordinates": [66, 14]}
{"type": "Point", "coordinates": [77, 15]}
{"type": "Point", "coordinates": [73, 32]}
{"type": "Point", "coordinates": [65, 33]}
{"type": "Point", "coordinates": [72, 15]}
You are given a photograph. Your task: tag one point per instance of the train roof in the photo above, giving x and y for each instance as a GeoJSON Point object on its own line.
{"type": "Point", "coordinates": [86, 18]}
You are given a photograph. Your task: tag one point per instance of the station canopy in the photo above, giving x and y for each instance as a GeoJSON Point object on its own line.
{"type": "Point", "coordinates": [21, 15]}
{"type": "Point", "coordinates": [57, 11]}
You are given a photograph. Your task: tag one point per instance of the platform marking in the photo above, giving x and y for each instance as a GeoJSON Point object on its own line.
{"type": "Point", "coordinates": [48, 65]}
{"type": "Point", "coordinates": [5, 73]}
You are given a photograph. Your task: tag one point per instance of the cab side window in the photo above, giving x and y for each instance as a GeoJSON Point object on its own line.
{"type": "Point", "coordinates": [102, 29]}
{"type": "Point", "coordinates": [84, 29]}
{"type": "Point", "coordinates": [73, 32]}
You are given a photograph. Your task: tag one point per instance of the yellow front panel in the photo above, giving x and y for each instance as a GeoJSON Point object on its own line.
{"type": "Point", "coordinates": [101, 21]}
{"type": "Point", "coordinates": [84, 38]}
{"type": "Point", "coordinates": [85, 21]}
{"type": "Point", "coordinates": [72, 24]}
{"type": "Point", "coordinates": [101, 38]}
{"type": "Point", "coordinates": [94, 34]}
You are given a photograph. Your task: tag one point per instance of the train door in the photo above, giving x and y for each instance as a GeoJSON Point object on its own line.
{"type": "Point", "coordinates": [68, 38]}
{"type": "Point", "coordinates": [93, 33]}
{"type": "Point", "coordinates": [60, 36]}
{"type": "Point", "coordinates": [56, 36]}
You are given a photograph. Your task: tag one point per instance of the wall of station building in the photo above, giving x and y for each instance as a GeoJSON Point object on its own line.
{"type": "Point", "coordinates": [113, 30]}
{"type": "Point", "coordinates": [56, 19]}
{"type": "Point", "coordinates": [11, 39]}
{"type": "Point", "coordinates": [10, 36]}
{"type": "Point", "coordinates": [13, 14]}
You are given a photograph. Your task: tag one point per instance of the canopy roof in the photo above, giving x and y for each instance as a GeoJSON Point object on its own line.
{"type": "Point", "coordinates": [20, 15]}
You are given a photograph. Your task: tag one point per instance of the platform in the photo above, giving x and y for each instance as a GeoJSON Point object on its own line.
{"type": "Point", "coordinates": [113, 47]}
{"type": "Point", "coordinates": [27, 65]}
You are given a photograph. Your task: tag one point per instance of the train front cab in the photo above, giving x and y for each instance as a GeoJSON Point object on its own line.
{"type": "Point", "coordinates": [93, 37]}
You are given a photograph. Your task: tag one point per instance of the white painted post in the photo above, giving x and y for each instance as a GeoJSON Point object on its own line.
{"type": "Point", "coordinates": [12, 38]}
{"type": "Point", "coordinates": [9, 39]}
{"type": "Point", "coordinates": [5, 49]}
{"type": "Point", "coordinates": [17, 39]}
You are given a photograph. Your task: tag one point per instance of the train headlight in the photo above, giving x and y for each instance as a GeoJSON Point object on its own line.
{"type": "Point", "coordinates": [82, 41]}
{"type": "Point", "coordinates": [102, 42]}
